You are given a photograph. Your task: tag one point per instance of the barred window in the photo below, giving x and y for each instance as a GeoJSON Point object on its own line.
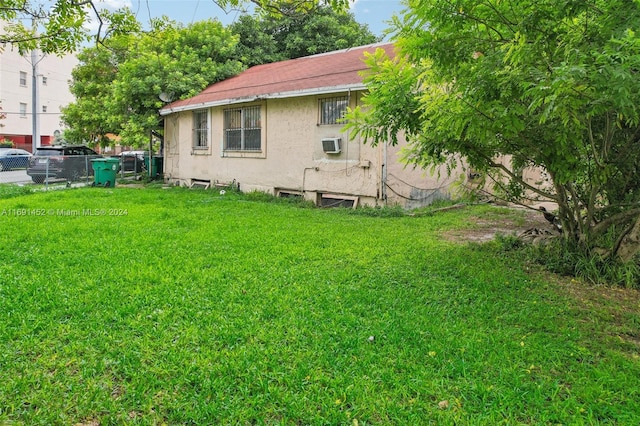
{"type": "Point", "coordinates": [242, 129]}
{"type": "Point", "coordinates": [200, 129]}
{"type": "Point", "coordinates": [333, 109]}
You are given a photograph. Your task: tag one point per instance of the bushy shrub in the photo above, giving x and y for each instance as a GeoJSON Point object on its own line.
{"type": "Point", "coordinates": [562, 257]}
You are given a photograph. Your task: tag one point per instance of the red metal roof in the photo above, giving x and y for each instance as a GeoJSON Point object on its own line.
{"type": "Point", "coordinates": [323, 73]}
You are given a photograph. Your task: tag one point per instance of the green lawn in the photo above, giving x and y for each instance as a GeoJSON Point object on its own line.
{"type": "Point", "coordinates": [171, 306]}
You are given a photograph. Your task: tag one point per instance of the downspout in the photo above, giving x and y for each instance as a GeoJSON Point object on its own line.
{"type": "Point", "coordinates": [346, 158]}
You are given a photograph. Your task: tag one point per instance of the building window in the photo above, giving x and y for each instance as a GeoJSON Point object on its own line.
{"type": "Point", "coordinates": [44, 80]}
{"type": "Point", "coordinates": [201, 129]}
{"type": "Point", "coordinates": [333, 109]}
{"type": "Point", "coordinates": [44, 108]}
{"type": "Point", "coordinates": [23, 110]}
{"type": "Point", "coordinates": [23, 79]}
{"type": "Point", "coordinates": [242, 130]}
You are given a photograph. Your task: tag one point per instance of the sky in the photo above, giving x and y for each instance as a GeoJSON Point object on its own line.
{"type": "Point", "coordinates": [374, 13]}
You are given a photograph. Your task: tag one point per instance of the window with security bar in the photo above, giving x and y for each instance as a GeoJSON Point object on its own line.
{"type": "Point", "coordinates": [242, 129]}
{"type": "Point", "coordinates": [200, 129]}
{"type": "Point", "coordinates": [332, 110]}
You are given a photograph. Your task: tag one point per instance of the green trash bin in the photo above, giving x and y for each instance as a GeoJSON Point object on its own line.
{"type": "Point", "coordinates": [105, 171]}
{"type": "Point", "coordinates": [156, 166]}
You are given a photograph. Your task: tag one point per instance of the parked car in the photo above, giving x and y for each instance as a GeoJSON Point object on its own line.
{"type": "Point", "coordinates": [12, 158]}
{"type": "Point", "coordinates": [69, 162]}
{"type": "Point", "coordinates": [132, 161]}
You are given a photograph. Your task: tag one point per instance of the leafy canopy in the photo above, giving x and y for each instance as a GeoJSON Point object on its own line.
{"type": "Point", "coordinates": [59, 26]}
{"type": "Point", "coordinates": [271, 38]}
{"type": "Point", "coordinates": [118, 86]}
{"type": "Point", "coordinates": [551, 84]}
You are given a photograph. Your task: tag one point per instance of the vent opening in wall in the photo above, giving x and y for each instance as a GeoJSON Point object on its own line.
{"type": "Point", "coordinates": [283, 193]}
{"type": "Point", "coordinates": [337, 200]}
{"type": "Point", "coordinates": [331, 145]}
{"type": "Point", "coordinates": [200, 184]}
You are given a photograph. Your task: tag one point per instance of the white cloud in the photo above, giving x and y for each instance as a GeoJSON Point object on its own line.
{"type": "Point", "coordinates": [113, 4]}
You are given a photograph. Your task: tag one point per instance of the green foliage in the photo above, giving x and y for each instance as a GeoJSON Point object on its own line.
{"type": "Point", "coordinates": [117, 86]}
{"type": "Point", "coordinates": [186, 307]}
{"type": "Point", "coordinates": [560, 257]}
{"type": "Point", "coordinates": [508, 242]}
{"type": "Point", "coordinates": [11, 190]}
{"type": "Point", "coordinates": [394, 211]}
{"type": "Point", "coordinates": [390, 83]}
{"type": "Point", "coordinates": [61, 24]}
{"type": "Point", "coordinates": [88, 117]}
{"type": "Point", "coordinates": [265, 39]}
{"type": "Point", "coordinates": [263, 197]}
{"type": "Point", "coordinates": [279, 8]}
{"type": "Point", "coordinates": [543, 84]}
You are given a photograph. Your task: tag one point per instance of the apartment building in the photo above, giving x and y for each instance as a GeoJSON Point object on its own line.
{"type": "Point", "coordinates": [52, 75]}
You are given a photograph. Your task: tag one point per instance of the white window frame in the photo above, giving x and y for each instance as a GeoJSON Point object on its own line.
{"type": "Point", "coordinates": [23, 109]}
{"type": "Point", "coordinates": [23, 79]}
{"type": "Point", "coordinates": [332, 110]}
{"type": "Point", "coordinates": [44, 109]}
{"type": "Point", "coordinates": [201, 129]}
{"type": "Point", "coordinates": [44, 80]}
{"type": "Point", "coordinates": [244, 124]}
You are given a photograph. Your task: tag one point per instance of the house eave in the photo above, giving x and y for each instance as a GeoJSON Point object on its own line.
{"type": "Point", "coordinates": [279, 95]}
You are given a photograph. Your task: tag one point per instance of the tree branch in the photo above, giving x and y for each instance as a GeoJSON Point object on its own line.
{"type": "Point", "coordinates": [619, 218]}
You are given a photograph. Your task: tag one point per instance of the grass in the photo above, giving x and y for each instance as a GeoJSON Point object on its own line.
{"type": "Point", "coordinates": [170, 306]}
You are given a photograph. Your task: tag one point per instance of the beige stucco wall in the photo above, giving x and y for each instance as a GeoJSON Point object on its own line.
{"type": "Point", "coordinates": [292, 158]}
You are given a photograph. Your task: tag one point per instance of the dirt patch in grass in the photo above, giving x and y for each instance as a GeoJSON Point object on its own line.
{"type": "Point", "coordinates": [511, 221]}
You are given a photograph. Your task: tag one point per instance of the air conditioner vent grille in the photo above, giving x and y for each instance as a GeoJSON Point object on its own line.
{"type": "Point", "coordinates": [331, 145]}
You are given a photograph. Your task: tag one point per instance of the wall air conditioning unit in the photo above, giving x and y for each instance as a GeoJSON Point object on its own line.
{"type": "Point", "coordinates": [331, 145]}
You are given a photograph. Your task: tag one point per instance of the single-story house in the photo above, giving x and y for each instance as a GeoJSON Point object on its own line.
{"type": "Point", "coordinates": [275, 128]}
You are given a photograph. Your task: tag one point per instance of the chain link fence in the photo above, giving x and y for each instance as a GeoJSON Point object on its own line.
{"type": "Point", "coordinates": [62, 169]}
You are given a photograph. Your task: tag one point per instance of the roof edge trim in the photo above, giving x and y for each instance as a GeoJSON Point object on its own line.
{"type": "Point", "coordinates": [281, 95]}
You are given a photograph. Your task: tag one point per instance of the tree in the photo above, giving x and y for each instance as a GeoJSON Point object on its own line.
{"type": "Point", "coordinates": [270, 38]}
{"type": "Point", "coordinates": [117, 86]}
{"type": "Point", "coordinates": [61, 25]}
{"type": "Point", "coordinates": [117, 92]}
{"type": "Point", "coordinates": [88, 117]}
{"type": "Point", "coordinates": [287, 7]}
{"type": "Point", "coordinates": [551, 84]}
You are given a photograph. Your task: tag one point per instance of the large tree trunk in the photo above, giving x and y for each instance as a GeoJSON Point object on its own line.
{"type": "Point", "coordinates": [630, 244]}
